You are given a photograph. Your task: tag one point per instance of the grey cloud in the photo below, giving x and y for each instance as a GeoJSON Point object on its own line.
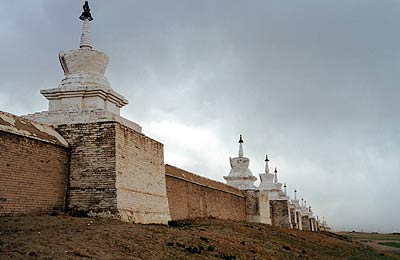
{"type": "Point", "coordinates": [312, 83]}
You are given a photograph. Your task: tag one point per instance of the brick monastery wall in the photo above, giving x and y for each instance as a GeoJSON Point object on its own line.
{"type": "Point", "coordinates": [192, 196]}
{"type": "Point", "coordinates": [305, 223]}
{"type": "Point", "coordinates": [280, 213]}
{"type": "Point", "coordinates": [140, 181]}
{"type": "Point", "coordinates": [33, 175]}
{"type": "Point", "coordinates": [298, 219]}
{"type": "Point", "coordinates": [92, 167]}
{"type": "Point", "coordinates": [293, 217]}
{"type": "Point", "coordinates": [257, 206]}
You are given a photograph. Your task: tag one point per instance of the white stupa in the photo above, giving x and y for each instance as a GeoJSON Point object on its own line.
{"type": "Point", "coordinates": [269, 182]}
{"type": "Point", "coordinates": [240, 175]}
{"type": "Point", "coordinates": [84, 94]}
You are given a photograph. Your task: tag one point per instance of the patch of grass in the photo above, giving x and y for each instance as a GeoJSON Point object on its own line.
{"type": "Point", "coordinates": [392, 244]}
{"type": "Point", "coordinates": [371, 236]}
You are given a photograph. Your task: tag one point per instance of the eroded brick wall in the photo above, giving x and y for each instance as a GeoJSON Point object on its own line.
{"type": "Point", "coordinates": [293, 217]}
{"type": "Point", "coordinates": [92, 167]}
{"type": "Point", "coordinates": [305, 223]}
{"type": "Point", "coordinates": [140, 182]}
{"type": "Point", "coordinates": [33, 175]}
{"type": "Point", "coordinates": [280, 213]}
{"type": "Point", "coordinates": [192, 197]}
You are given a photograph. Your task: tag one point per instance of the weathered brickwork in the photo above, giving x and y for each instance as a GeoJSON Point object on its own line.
{"type": "Point", "coordinates": [33, 175]}
{"type": "Point", "coordinates": [280, 213]}
{"type": "Point", "coordinates": [293, 217]}
{"type": "Point", "coordinates": [140, 180]}
{"type": "Point", "coordinates": [305, 223]}
{"type": "Point", "coordinates": [257, 206]}
{"type": "Point", "coordinates": [192, 196]}
{"type": "Point", "coordinates": [92, 167]}
{"type": "Point", "coordinates": [298, 219]}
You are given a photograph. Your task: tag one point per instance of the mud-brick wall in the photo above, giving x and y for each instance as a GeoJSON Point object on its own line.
{"type": "Point", "coordinates": [305, 223]}
{"type": "Point", "coordinates": [140, 180]}
{"type": "Point", "coordinates": [92, 167]}
{"type": "Point", "coordinates": [33, 175]}
{"type": "Point", "coordinates": [257, 206]}
{"type": "Point", "coordinates": [192, 196]}
{"type": "Point", "coordinates": [293, 217]}
{"type": "Point", "coordinates": [280, 213]}
{"type": "Point", "coordinates": [298, 219]}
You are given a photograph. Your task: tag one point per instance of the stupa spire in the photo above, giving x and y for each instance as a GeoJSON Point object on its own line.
{"type": "Point", "coordinates": [86, 17]}
{"type": "Point", "coordinates": [276, 175]}
{"type": "Point", "coordinates": [241, 146]}
{"type": "Point", "coordinates": [295, 194]}
{"type": "Point", "coordinates": [284, 189]}
{"type": "Point", "coordinates": [266, 164]}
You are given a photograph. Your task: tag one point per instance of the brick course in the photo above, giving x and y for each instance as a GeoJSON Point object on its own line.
{"type": "Point", "coordinates": [33, 175]}
{"type": "Point", "coordinates": [140, 178]}
{"type": "Point", "coordinates": [192, 196]}
{"type": "Point", "coordinates": [92, 167]}
{"type": "Point", "coordinates": [280, 213]}
{"type": "Point", "coordinates": [305, 223]}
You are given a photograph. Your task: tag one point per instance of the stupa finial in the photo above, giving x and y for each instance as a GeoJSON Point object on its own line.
{"type": "Point", "coordinates": [86, 12]}
{"type": "Point", "coordinates": [86, 16]}
{"type": "Point", "coordinates": [241, 146]}
{"type": "Point", "coordinates": [266, 164]}
{"type": "Point", "coordinates": [284, 189]}
{"type": "Point", "coordinates": [276, 175]}
{"type": "Point", "coordinates": [295, 194]}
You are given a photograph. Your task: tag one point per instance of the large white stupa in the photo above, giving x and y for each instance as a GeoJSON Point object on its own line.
{"type": "Point", "coordinates": [84, 94]}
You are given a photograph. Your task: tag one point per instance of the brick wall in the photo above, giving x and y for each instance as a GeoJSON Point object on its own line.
{"type": "Point", "coordinates": [280, 213]}
{"type": "Point", "coordinates": [298, 219]}
{"type": "Point", "coordinates": [257, 206]}
{"type": "Point", "coordinates": [305, 223]}
{"type": "Point", "coordinates": [140, 181]}
{"type": "Point", "coordinates": [293, 216]}
{"type": "Point", "coordinates": [92, 167]}
{"type": "Point", "coordinates": [33, 175]}
{"type": "Point", "coordinates": [192, 196]}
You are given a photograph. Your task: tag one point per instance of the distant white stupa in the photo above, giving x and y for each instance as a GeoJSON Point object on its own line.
{"type": "Point", "coordinates": [240, 175]}
{"type": "Point", "coordinates": [269, 182]}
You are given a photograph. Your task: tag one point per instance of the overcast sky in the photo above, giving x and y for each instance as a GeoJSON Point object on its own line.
{"type": "Point", "coordinates": [315, 84]}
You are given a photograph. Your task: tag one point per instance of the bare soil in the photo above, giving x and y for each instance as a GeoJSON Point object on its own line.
{"type": "Point", "coordinates": [65, 237]}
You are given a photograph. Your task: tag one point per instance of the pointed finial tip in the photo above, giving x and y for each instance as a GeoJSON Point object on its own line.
{"type": "Point", "coordinates": [86, 12]}
{"type": "Point", "coordinates": [276, 170]}
{"type": "Point", "coordinates": [284, 185]}
{"type": "Point", "coordinates": [241, 139]}
{"type": "Point", "coordinates": [266, 158]}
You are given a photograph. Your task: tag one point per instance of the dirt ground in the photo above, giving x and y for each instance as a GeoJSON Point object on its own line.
{"type": "Point", "coordinates": [65, 237]}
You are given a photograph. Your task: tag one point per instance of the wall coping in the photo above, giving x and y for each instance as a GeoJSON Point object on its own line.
{"type": "Point", "coordinates": [181, 174]}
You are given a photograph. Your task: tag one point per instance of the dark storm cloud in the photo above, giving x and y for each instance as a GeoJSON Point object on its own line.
{"type": "Point", "coordinates": [312, 83]}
